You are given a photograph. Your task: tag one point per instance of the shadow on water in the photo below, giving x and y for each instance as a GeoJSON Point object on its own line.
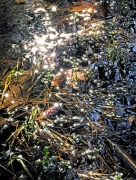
{"type": "Point", "coordinates": [13, 28]}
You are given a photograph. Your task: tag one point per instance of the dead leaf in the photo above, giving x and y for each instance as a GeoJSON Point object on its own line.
{"type": "Point", "coordinates": [58, 79]}
{"type": "Point", "coordinates": [83, 5]}
{"type": "Point", "coordinates": [17, 92]}
{"type": "Point", "coordinates": [72, 84]}
{"type": "Point", "coordinates": [68, 75]}
{"type": "Point", "coordinates": [41, 116]}
{"type": "Point", "coordinates": [71, 75]}
{"type": "Point", "coordinates": [20, 1]}
{"type": "Point", "coordinates": [2, 120]}
{"type": "Point", "coordinates": [131, 119]}
{"type": "Point", "coordinates": [81, 76]}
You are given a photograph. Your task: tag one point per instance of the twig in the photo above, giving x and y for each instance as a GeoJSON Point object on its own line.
{"type": "Point", "coordinates": [7, 170]}
{"type": "Point", "coordinates": [123, 155]}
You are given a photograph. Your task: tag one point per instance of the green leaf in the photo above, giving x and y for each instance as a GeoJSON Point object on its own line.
{"type": "Point", "coordinates": [46, 150]}
{"type": "Point", "coordinates": [1, 82]}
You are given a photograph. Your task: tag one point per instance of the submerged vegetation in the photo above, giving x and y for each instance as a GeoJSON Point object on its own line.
{"type": "Point", "coordinates": [67, 90]}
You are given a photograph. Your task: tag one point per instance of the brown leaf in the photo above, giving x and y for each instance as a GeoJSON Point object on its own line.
{"type": "Point", "coordinates": [17, 92]}
{"type": "Point", "coordinates": [131, 119]}
{"type": "Point", "coordinates": [41, 116]}
{"type": "Point", "coordinates": [58, 79]}
{"type": "Point", "coordinates": [81, 76]}
{"type": "Point", "coordinates": [83, 5]}
{"type": "Point", "coordinates": [20, 1]}
{"type": "Point", "coordinates": [69, 75]}
{"type": "Point", "coordinates": [2, 120]}
{"type": "Point", "coordinates": [72, 84]}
